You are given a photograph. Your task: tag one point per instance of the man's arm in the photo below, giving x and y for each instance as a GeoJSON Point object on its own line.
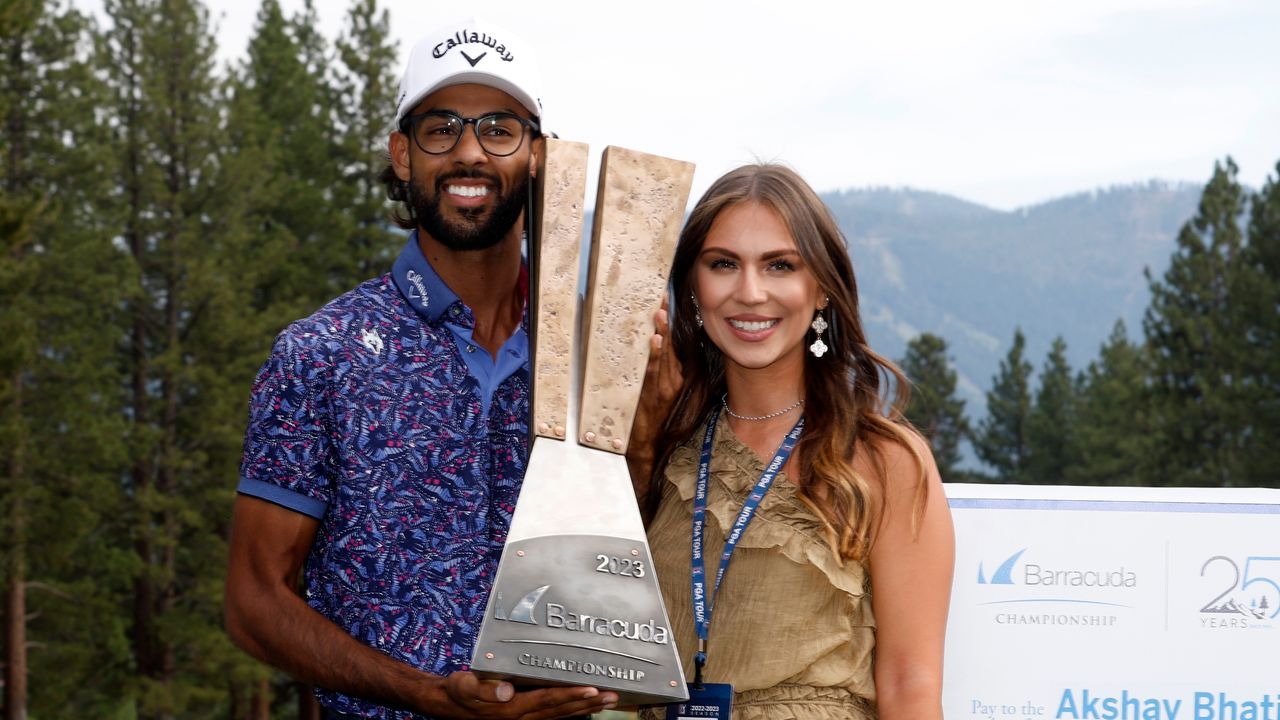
{"type": "Point", "coordinates": [268, 619]}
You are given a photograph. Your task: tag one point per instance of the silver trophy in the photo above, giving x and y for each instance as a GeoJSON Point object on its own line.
{"type": "Point", "coordinates": [575, 601]}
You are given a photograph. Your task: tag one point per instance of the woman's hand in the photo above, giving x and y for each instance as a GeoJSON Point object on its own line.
{"type": "Point", "coordinates": [662, 382]}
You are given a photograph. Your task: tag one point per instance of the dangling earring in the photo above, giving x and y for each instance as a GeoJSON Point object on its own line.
{"type": "Point", "coordinates": [697, 311]}
{"type": "Point", "coordinates": [819, 325]}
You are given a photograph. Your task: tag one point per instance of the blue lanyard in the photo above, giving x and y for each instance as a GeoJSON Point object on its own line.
{"type": "Point", "coordinates": [702, 604]}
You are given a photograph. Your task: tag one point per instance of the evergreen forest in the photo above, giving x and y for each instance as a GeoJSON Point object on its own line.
{"type": "Point", "coordinates": [163, 216]}
{"type": "Point", "coordinates": [1193, 401]}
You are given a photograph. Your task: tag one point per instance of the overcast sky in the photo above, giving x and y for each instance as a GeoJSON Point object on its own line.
{"type": "Point", "coordinates": [1003, 102]}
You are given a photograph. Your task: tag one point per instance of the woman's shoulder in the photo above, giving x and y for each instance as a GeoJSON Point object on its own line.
{"type": "Point", "coordinates": [899, 455]}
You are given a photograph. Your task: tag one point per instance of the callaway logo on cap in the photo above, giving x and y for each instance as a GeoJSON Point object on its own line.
{"type": "Point", "coordinates": [471, 51]}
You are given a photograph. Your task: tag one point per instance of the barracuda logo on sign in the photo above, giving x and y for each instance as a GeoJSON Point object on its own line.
{"type": "Point", "coordinates": [1004, 573]}
{"type": "Point", "coordinates": [1071, 595]}
{"type": "Point", "coordinates": [1035, 574]}
{"type": "Point", "coordinates": [559, 617]}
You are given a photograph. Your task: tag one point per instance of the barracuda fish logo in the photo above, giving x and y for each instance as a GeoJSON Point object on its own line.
{"type": "Point", "coordinates": [523, 610]}
{"type": "Point", "coordinates": [1003, 574]}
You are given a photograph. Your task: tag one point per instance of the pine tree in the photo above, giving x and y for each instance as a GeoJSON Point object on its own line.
{"type": "Point", "coordinates": [188, 342]}
{"type": "Point", "coordinates": [367, 84]}
{"type": "Point", "coordinates": [1113, 419]}
{"type": "Point", "coordinates": [1051, 424]}
{"type": "Point", "coordinates": [18, 212]}
{"type": "Point", "coordinates": [934, 409]}
{"type": "Point", "coordinates": [16, 360]}
{"type": "Point", "coordinates": [1260, 305]}
{"type": "Point", "coordinates": [1001, 439]}
{"type": "Point", "coordinates": [156, 230]}
{"type": "Point", "coordinates": [59, 290]}
{"type": "Point", "coordinates": [284, 130]}
{"type": "Point", "coordinates": [1194, 332]}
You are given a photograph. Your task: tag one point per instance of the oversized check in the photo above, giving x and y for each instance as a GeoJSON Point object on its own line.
{"type": "Point", "coordinates": [1114, 604]}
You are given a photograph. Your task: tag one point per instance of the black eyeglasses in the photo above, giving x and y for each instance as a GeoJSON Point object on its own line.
{"type": "Point", "coordinates": [437, 133]}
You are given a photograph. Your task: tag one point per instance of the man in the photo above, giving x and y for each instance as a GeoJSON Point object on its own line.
{"type": "Point", "coordinates": [388, 432]}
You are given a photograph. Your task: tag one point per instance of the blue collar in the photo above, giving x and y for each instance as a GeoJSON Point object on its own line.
{"type": "Point", "coordinates": [418, 282]}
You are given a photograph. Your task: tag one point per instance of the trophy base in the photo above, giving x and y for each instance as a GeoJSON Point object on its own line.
{"type": "Point", "coordinates": [580, 610]}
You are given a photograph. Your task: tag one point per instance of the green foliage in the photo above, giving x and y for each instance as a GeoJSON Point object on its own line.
{"type": "Point", "coordinates": [934, 409]}
{"type": "Point", "coordinates": [60, 282]}
{"type": "Point", "coordinates": [183, 340]}
{"type": "Point", "coordinates": [310, 128]}
{"type": "Point", "coordinates": [1197, 403]}
{"type": "Point", "coordinates": [1194, 331]}
{"type": "Point", "coordinates": [367, 85]}
{"type": "Point", "coordinates": [283, 134]}
{"type": "Point", "coordinates": [160, 220]}
{"type": "Point", "coordinates": [1112, 427]}
{"type": "Point", "coordinates": [1051, 424]}
{"type": "Point", "coordinates": [1001, 440]}
{"type": "Point", "coordinates": [1069, 266]}
{"type": "Point", "coordinates": [1260, 309]}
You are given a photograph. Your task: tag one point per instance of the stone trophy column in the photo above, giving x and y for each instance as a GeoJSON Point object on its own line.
{"type": "Point", "coordinates": [575, 600]}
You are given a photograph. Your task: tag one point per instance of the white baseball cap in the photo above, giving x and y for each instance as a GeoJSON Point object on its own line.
{"type": "Point", "coordinates": [471, 51]}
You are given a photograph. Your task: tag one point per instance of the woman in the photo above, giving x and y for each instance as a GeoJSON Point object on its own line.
{"type": "Point", "coordinates": [834, 599]}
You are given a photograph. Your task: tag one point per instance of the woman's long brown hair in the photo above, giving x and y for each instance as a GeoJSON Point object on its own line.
{"type": "Point", "coordinates": [845, 409]}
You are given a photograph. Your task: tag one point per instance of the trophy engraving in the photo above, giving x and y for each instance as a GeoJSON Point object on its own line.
{"type": "Point", "coordinates": [575, 600]}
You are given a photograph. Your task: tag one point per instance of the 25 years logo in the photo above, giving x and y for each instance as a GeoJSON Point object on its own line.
{"type": "Point", "coordinates": [1240, 597]}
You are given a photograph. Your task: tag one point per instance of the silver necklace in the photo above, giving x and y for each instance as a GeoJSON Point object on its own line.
{"type": "Point", "coordinates": [724, 400]}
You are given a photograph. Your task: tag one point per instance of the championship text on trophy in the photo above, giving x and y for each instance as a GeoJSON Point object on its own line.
{"type": "Point", "coordinates": [575, 601]}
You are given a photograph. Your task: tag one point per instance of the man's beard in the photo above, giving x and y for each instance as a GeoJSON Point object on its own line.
{"type": "Point", "coordinates": [472, 231]}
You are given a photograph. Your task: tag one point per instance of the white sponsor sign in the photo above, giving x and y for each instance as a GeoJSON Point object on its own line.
{"type": "Point", "coordinates": [1075, 603]}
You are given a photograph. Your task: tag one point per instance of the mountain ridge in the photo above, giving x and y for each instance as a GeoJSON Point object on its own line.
{"type": "Point", "coordinates": [1070, 266]}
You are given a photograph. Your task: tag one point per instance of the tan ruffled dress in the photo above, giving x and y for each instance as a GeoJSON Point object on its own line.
{"type": "Point", "coordinates": [792, 627]}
